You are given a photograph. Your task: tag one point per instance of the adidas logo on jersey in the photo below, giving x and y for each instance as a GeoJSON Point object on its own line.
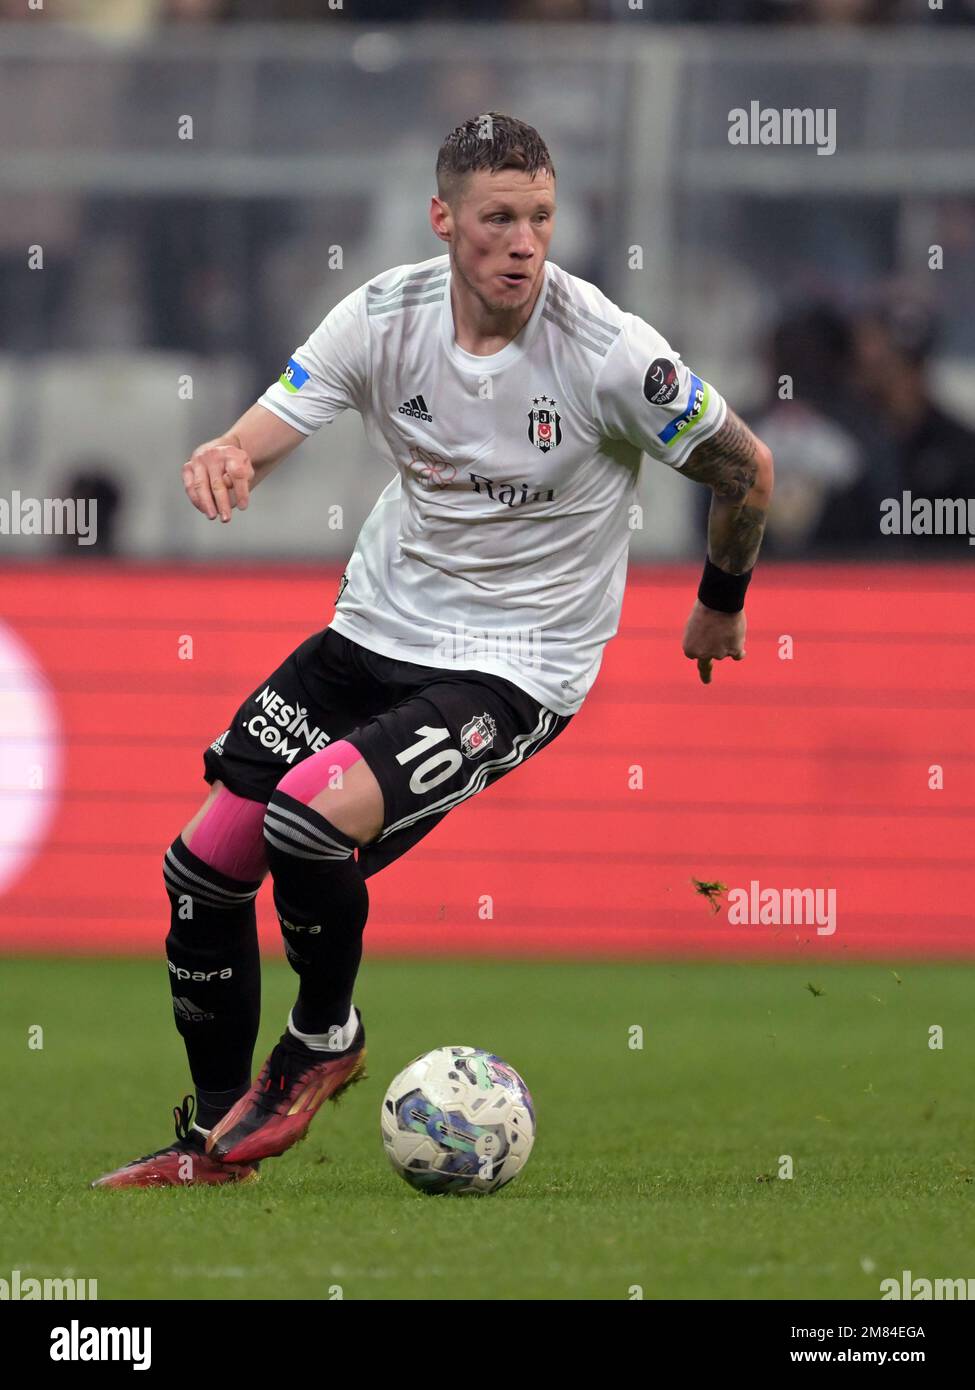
{"type": "Point", "coordinates": [416, 408]}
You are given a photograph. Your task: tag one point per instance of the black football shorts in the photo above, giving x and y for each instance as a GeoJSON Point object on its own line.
{"type": "Point", "coordinates": [432, 737]}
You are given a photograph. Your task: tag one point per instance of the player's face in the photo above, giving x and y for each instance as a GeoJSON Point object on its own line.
{"type": "Point", "coordinates": [500, 231]}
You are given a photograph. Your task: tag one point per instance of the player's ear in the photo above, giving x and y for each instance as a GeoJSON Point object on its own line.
{"type": "Point", "coordinates": [441, 219]}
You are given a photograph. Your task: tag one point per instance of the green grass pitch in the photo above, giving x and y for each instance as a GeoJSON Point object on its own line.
{"type": "Point", "coordinates": [654, 1166]}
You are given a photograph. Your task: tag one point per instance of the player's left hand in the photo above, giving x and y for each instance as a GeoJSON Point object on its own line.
{"type": "Point", "coordinates": [711, 636]}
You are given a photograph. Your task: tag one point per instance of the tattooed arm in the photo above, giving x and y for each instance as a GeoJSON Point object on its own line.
{"type": "Point", "coordinates": [738, 468]}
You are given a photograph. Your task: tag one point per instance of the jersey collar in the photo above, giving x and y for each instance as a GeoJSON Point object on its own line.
{"type": "Point", "coordinates": [510, 353]}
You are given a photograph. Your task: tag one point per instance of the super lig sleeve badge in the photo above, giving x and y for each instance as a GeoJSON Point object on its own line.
{"type": "Point", "coordinates": [661, 383]}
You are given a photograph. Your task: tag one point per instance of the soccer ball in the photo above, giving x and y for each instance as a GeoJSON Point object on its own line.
{"type": "Point", "coordinates": [459, 1120]}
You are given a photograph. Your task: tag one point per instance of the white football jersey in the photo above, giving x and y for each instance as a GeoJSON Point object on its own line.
{"type": "Point", "coordinates": [501, 543]}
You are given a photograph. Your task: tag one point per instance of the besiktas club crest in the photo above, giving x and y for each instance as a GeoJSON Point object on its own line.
{"type": "Point", "coordinates": [544, 424]}
{"type": "Point", "coordinates": [477, 735]}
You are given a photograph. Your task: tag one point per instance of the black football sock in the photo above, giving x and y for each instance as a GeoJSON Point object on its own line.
{"type": "Point", "coordinates": [322, 904]}
{"type": "Point", "coordinates": [215, 975]}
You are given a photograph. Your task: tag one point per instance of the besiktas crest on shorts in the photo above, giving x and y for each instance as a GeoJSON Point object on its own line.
{"type": "Point", "coordinates": [477, 734]}
{"type": "Point", "coordinates": [544, 424]}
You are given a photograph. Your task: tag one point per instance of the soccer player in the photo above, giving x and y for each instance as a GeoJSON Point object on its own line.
{"type": "Point", "coordinates": [514, 403]}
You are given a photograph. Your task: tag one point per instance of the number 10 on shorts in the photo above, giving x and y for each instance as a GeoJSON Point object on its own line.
{"type": "Point", "coordinates": [433, 770]}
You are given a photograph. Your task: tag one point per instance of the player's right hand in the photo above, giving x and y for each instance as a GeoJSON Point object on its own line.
{"type": "Point", "coordinates": [711, 636]}
{"type": "Point", "coordinates": [217, 478]}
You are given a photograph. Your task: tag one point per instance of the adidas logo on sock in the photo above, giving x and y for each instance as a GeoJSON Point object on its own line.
{"type": "Point", "coordinates": [192, 1013]}
{"type": "Point", "coordinates": [416, 407]}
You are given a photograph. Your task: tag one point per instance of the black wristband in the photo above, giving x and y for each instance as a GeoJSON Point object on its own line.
{"type": "Point", "coordinates": [722, 591]}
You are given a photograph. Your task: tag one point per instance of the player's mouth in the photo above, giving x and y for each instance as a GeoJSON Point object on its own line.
{"type": "Point", "coordinates": [514, 280]}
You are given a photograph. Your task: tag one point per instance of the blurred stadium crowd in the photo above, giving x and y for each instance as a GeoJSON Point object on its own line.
{"type": "Point", "coordinates": [136, 13]}
{"type": "Point", "coordinates": [827, 289]}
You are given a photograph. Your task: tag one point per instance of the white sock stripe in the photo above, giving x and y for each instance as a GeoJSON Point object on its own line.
{"type": "Point", "coordinates": [286, 814]}
{"type": "Point", "coordinates": [291, 832]}
{"type": "Point", "coordinates": [174, 869]}
{"type": "Point", "coordinates": [199, 895]}
{"type": "Point", "coordinates": [232, 894]}
{"type": "Point", "coordinates": [522, 745]}
{"type": "Point", "coordinates": [290, 848]}
{"type": "Point", "coordinates": [186, 890]}
{"type": "Point", "coordinates": [172, 866]}
{"type": "Point", "coordinates": [311, 829]}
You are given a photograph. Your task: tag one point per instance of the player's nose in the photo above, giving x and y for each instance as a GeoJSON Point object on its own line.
{"type": "Point", "coordinates": [522, 243]}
